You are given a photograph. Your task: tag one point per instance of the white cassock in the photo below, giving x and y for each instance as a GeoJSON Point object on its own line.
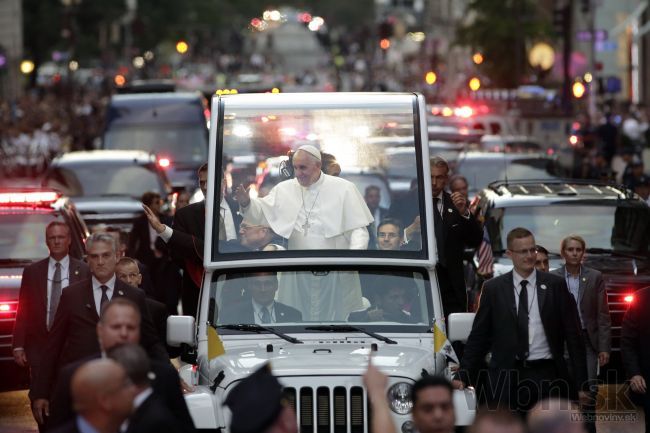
{"type": "Point", "coordinates": [330, 214]}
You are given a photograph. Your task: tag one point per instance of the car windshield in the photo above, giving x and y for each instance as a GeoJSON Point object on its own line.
{"type": "Point", "coordinates": [23, 235]}
{"type": "Point", "coordinates": [622, 228]}
{"type": "Point", "coordinates": [96, 180]}
{"type": "Point", "coordinates": [307, 298]}
{"type": "Point", "coordinates": [181, 144]}
{"type": "Point", "coordinates": [294, 204]}
{"type": "Point", "coordinates": [480, 172]}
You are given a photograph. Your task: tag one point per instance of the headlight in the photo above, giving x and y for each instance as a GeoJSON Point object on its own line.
{"type": "Point", "coordinates": [399, 398]}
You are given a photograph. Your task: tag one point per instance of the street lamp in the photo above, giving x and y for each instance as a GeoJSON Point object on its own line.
{"type": "Point", "coordinates": [26, 67]}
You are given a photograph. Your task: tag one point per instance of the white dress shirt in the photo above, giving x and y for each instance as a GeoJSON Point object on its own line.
{"type": "Point", "coordinates": [257, 308]}
{"type": "Point", "coordinates": [97, 291]}
{"type": "Point", "coordinates": [538, 347]}
{"type": "Point", "coordinates": [65, 280]}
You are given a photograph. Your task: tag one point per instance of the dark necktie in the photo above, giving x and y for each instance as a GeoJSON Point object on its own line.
{"type": "Point", "coordinates": [104, 298]}
{"type": "Point", "coordinates": [266, 315]}
{"type": "Point", "coordinates": [522, 322]}
{"type": "Point", "coordinates": [439, 232]}
{"type": "Point", "coordinates": [222, 227]}
{"type": "Point", "coordinates": [55, 294]}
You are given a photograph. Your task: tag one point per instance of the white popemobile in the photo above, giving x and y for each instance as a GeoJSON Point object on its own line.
{"type": "Point", "coordinates": [323, 299]}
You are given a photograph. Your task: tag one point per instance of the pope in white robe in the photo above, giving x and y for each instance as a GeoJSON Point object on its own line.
{"type": "Point", "coordinates": [314, 211]}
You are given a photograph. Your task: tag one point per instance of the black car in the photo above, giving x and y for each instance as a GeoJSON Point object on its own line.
{"type": "Point", "coordinates": [107, 185]}
{"type": "Point", "coordinates": [614, 222]}
{"type": "Point", "coordinates": [24, 214]}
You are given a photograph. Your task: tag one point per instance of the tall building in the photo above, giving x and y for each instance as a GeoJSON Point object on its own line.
{"type": "Point", "coordinates": [11, 48]}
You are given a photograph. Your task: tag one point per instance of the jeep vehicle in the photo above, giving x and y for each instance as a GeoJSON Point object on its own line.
{"type": "Point", "coordinates": [24, 215]}
{"type": "Point", "coordinates": [614, 222]}
{"type": "Point", "coordinates": [332, 308]}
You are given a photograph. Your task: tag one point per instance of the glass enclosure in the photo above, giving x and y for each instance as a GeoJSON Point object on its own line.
{"type": "Point", "coordinates": [303, 298]}
{"type": "Point", "coordinates": [318, 174]}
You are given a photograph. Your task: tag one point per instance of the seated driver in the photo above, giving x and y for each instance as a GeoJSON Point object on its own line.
{"type": "Point", "coordinates": [387, 307]}
{"type": "Point", "coordinates": [262, 309]}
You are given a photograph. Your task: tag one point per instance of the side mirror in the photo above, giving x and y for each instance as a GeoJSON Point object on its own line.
{"type": "Point", "coordinates": [459, 326]}
{"type": "Point", "coordinates": [181, 330]}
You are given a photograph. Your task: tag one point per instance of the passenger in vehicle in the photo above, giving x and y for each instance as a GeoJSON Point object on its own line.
{"type": "Point", "coordinates": [313, 210]}
{"type": "Point", "coordinates": [262, 308]}
{"type": "Point", "coordinates": [258, 237]}
{"type": "Point", "coordinates": [387, 307]}
{"type": "Point", "coordinates": [541, 261]}
{"type": "Point", "coordinates": [372, 197]}
{"type": "Point", "coordinates": [390, 235]}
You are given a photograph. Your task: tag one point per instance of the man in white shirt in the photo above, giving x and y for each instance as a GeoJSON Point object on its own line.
{"type": "Point", "coordinates": [41, 287]}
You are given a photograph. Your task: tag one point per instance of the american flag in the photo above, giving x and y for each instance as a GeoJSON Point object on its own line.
{"type": "Point", "coordinates": [485, 258]}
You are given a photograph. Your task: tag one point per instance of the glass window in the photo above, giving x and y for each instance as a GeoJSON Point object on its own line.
{"type": "Point", "coordinates": [329, 197]}
{"type": "Point", "coordinates": [181, 144]}
{"type": "Point", "coordinates": [23, 235]}
{"type": "Point", "coordinates": [625, 229]}
{"type": "Point", "coordinates": [305, 298]}
{"type": "Point", "coordinates": [91, 180]}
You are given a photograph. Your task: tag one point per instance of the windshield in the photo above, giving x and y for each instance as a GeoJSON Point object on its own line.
{"type": "Point", "coordinates": [322, 175]}
{"type": "Point", "coordinates": [23, 235]}
{"type": "Point", "coordinates": [291, 298]}
{"type": "Point", "coordinates": [96, 180]}
{"type": "Point", "coordinates": [481, 172]}
{"type": "Point", "coordinates": [622, 228]}
{"type": "Point", "coordinates": [181, 144]}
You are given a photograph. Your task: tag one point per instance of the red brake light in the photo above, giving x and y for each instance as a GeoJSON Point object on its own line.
{"type": "Point", "coordinates": [164, 162]}
{"type": "Point", "coordinates": [33, 198]}
{"type": "Point", "coordinates": [629, 299]}
{"type": "Point", "coordinates": [8, 307]}
{"type": "Point", "coordinates": [550, 151]}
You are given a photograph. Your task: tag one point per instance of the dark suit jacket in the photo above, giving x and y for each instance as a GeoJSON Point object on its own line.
{"type": "Point", "coordinates": [159, 314]}
{"type": "Point", "coordinates": [69, 427]}
{"type": "Point", "coordinates": [166, 385]}
{"type": "Point", "coordinates": [73, 335]}
{"type": "Point", "coordinates": [495, 328]}
{"type": "Point", "coordinates": [635, 336]}
{"type": "Point", "coordinates": [30, 329]}
{"type": "Point", "coordinates": [592, 303]}
{"type": "Point", "coordinates": [189, 232]}
{"type": "Point", "coordinates": [460, 233]}
{"type": "Point", "coordinates": [245, 313]}
{"type": "Point", "coordinates": [139, 244]}
{"type": "Point", "coordinates": [153, 416]}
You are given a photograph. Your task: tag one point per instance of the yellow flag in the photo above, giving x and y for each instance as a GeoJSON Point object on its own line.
{"type": "Point", "coordinates": [215, 345]}
{"type": "Point", "coordinates": [442, 345]}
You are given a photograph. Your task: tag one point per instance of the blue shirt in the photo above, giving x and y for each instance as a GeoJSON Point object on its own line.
{"type": "Point", "coordinates": [84, 426]}
{"type": "Point", "coordinates": [573, 283]}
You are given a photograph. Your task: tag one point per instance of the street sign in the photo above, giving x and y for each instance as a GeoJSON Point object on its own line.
{"type": "Point", "coordinates": [586, 36]}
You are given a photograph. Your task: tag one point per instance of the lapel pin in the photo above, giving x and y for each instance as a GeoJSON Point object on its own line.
{"type": "Point", "coordinates": [584, 279]}
{"type": "Point", "coordinates": [281, 314]}
{"type": "Point", "coordinates": [449, 210]}
{"type": "Point", "coordinates": [543, 286]}
{"type": "Point", "coordinates": [88, 306]}
{"type": "Point", "coordinates": [121, 293]}
{"type": "Point", "coordinates": [76, 271]}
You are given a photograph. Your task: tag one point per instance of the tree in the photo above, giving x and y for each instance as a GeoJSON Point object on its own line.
{"type": "Point", "coordinates": [501, 30]}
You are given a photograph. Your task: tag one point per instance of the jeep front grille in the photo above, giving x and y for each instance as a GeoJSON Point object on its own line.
{"type": "Point", "coordinates": [329, 410]}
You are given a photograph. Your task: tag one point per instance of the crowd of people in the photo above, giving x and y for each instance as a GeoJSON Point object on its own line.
{"type": "Point", "coordinates": [45, 123]}
{"type": "Point", "coordinates": [90, 347]}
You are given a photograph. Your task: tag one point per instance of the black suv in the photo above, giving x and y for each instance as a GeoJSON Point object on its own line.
{"type": "Point", "coordinates": [24, 214]}
{"type": "Point", "coordinates": [614, 222]}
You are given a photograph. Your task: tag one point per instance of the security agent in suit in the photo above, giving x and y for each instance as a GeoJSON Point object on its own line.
{"type": "Point", "coordinates": [525, 318]}
{"type": "Point", "coordinates": [372, 197]}
{"type": "Point", "coordinates": [185, 239]}
{"type": "Point", "coordinates": [150, 414]}
{"type": "Point", "coordinates": [72, 336]}
{"type": "Point", "coordinates": [103, 396]}
{"type": "Point", "coordinates": [118, 325]}
{"type": "Point", "coordinates": [455, 229]}
{"type": "Point", "coordinates": [40, 292]}
{"type": "Point", "coordinates": [635, 350]}
{"type": "Point", "coordinates": [587, 287]}
{"type": "Point", "coordinates": [262, 308]}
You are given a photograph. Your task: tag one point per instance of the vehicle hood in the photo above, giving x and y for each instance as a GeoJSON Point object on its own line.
{"type": "Point", "coordinates": [608, 264]}
{"type": "Point", "coordinates": [341, 358]}
{"type": "Point", "coordinates": [108, 205]}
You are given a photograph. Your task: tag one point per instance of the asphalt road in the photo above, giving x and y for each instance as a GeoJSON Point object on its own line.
{"type": "Point", "coordinates": [16, 417]}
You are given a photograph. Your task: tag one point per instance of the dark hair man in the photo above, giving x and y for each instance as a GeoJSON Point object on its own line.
{"type": "Point", "coordinates": [390, 235]}
{"type": "Point", "coordinates": [525, 318]}
{"type": "Point", "coordinates": [541, 259]}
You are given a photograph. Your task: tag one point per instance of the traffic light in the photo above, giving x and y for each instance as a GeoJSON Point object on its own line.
{"type": "Point", "coordinates": [578, 89]}
{"type": "Point", "coordinates": [474, 84]}
{"type": "Point", "coordinates": [430, 78]}
{"type": "Point", "coordinates": [385, 30]}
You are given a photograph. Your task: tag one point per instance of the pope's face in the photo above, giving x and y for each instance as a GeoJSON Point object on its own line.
{"type": "Point", "coordinates": [306, 168]}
